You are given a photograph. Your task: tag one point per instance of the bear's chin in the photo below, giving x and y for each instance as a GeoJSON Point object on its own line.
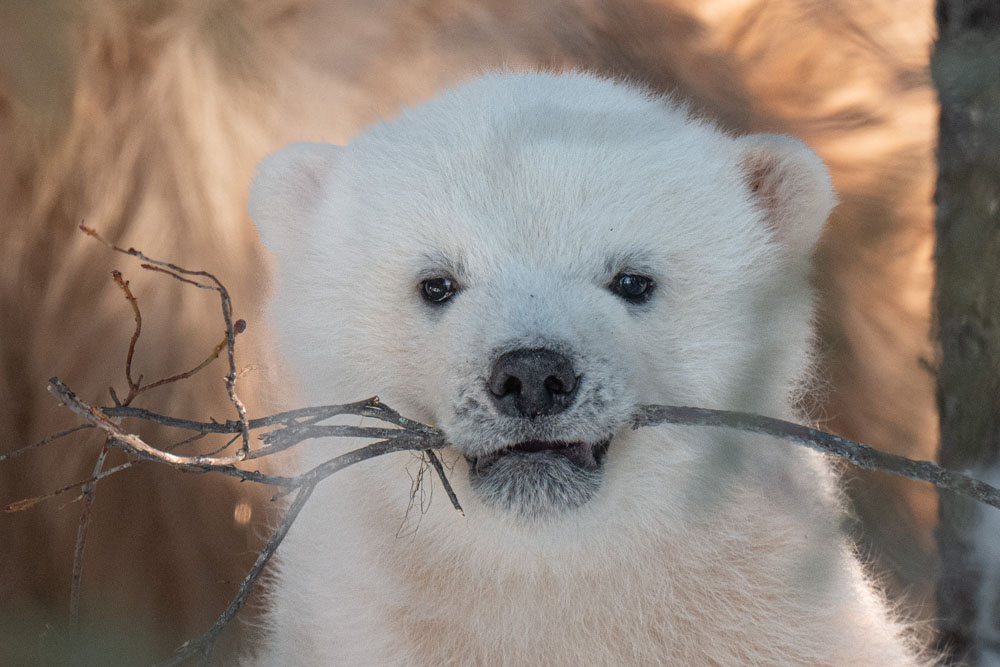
{"type": "Point", "coordinates": [538, 479]}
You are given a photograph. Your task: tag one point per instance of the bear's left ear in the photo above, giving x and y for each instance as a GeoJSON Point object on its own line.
{"type": "Point", "coordinates": [791, 185]}
{"type": "Point", "coordinates": [287, 189]}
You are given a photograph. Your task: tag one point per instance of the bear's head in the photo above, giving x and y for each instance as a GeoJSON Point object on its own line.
{"type": "Point", "coordinates": [527, 258]}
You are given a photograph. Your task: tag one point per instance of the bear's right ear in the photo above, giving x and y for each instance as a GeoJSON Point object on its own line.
{"type": "Point", "coordinates": [288, 187]}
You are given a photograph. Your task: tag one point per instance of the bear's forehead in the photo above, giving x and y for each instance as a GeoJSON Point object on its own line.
{"type": "Point", "coordinates": [551, 202]}
{"type": "Point", "coordinates": [545, 173]}
{"type": "Point", "coordinates": [508, 172]}
{"type": "Point", "coordinates": [530, 134]}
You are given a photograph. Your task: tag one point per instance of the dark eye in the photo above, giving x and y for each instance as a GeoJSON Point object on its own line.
{"type": "Point", "coordinates": [631, 287]}
{"type": "Point", "coordinates": [438, 290]}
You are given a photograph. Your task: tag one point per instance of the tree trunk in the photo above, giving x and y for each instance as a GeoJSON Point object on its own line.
{"type": "Point", "coordinates": [966, 71]}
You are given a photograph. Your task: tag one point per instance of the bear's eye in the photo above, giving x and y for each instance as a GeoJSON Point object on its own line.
{"type": "Point", "coordinates": [631, 287]}
{"type": "Point", "coordinates": [438, 290]}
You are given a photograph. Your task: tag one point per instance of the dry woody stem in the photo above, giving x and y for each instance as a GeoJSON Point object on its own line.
{"type": "Point", "coordinates": [232, 328]}
{"type": "Point", "coordinates": [296, 426]}
{"type": "Point", "coordinates": [285, 430]}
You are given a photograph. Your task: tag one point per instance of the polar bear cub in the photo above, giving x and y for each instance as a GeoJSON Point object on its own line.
{"type": "Point", "coordinates": [523, 261]}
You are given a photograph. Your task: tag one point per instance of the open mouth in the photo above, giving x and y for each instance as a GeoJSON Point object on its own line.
{"type": "Point", "coordinates": [588, 456]}
{"type": "Point", "coordinates": [537, 478]}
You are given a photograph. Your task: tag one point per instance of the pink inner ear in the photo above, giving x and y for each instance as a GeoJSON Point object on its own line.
{"type": "Point", "coordinates": [763, 180]}
{"type": "Point", "coordinates": [791, 185]}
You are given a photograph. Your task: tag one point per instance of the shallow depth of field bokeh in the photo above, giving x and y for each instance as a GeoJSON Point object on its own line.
{"type": "Point", "coordinates": [145, 119]}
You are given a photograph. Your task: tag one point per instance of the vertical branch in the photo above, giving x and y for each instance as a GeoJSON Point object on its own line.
{"type": "Point", "coordinates": [133, 385]}
{"type": "Point", "coordinates": [231, 330]}
{"type": "Point", "coordinates": [439, 469]}
{"type": "Point", "coordinates": [88, 494]}
{"type": "Point", "coordinates": [201, 648]}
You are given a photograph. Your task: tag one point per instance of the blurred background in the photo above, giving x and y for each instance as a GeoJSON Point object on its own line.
{"type": "Point", "coordinates": [144, 119]}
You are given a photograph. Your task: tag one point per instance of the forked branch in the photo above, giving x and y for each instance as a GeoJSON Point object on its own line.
{"type": "Point", "coordinates": [296, 426]}
{"type": "Point", "coordinates": [285, 430]}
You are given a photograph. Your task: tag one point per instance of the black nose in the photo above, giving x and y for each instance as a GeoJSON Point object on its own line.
{"type": "Point", "coordinates": [529, 383]}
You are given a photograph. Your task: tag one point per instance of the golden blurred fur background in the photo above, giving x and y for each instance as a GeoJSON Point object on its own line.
{"type": "Point", "coordinates": [144, 119]}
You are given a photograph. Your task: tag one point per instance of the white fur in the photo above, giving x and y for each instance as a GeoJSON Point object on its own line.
{"type": "Point", "coordinates": [533, 191]}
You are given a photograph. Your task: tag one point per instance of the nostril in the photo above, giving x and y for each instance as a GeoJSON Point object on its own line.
{"type": "Point", "coordinates": [532, 382]}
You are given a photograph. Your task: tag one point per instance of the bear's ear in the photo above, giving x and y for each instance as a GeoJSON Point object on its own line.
{"type": "Point", "coordinates": [791, 185]}
{"type": "Point", "coordinates": [288, 187]}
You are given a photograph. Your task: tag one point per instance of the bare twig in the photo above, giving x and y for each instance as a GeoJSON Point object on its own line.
{"type": "Point", "coordinates": [133, 385]}
{"type": "Point", "coordinates": [232, 328]}
{"type": "Point", "coordinates": [409, 435]}
{"type": "Point", "coordinates": [134, 444]}
{"type": "Point", "coordinates": [293, 427]}
{"type": "Point", "coordinates": [136, 253]}
{"type": "Point", "coordinates": [44, 441]}
{"type": "Point", "coordinates": [89, 493]}
{"type": "Point", "coordinates": [436, 462]}
{"type": "Point", "coordinates": [202, 646]}
{"type": "Point", "coordinates": [412, 435]}
{"type": "Point", "coordinates": [174, 275]}
{"type": "Point", "coordinates": [369, 407]}
{"type": "Point", "coordinates": [28, 503]}
{"type": "Point", "coordinates": [856, 453]}
{"type": "Point", "coordinates": [214, 452]}
{"type": "Point", "coordinates": [195, 438]}
{"type": "Point", "coordinates": [213, 355]}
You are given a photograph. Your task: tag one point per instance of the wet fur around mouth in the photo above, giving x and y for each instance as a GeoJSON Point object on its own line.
{"type": "Point", "coordinates": [536, 478]}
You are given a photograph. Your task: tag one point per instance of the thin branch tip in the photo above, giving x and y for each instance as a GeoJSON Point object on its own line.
{"type": "Point", "coordinates": [293, 427]}
{"type": "Point", "coordinates": [396, 433]}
